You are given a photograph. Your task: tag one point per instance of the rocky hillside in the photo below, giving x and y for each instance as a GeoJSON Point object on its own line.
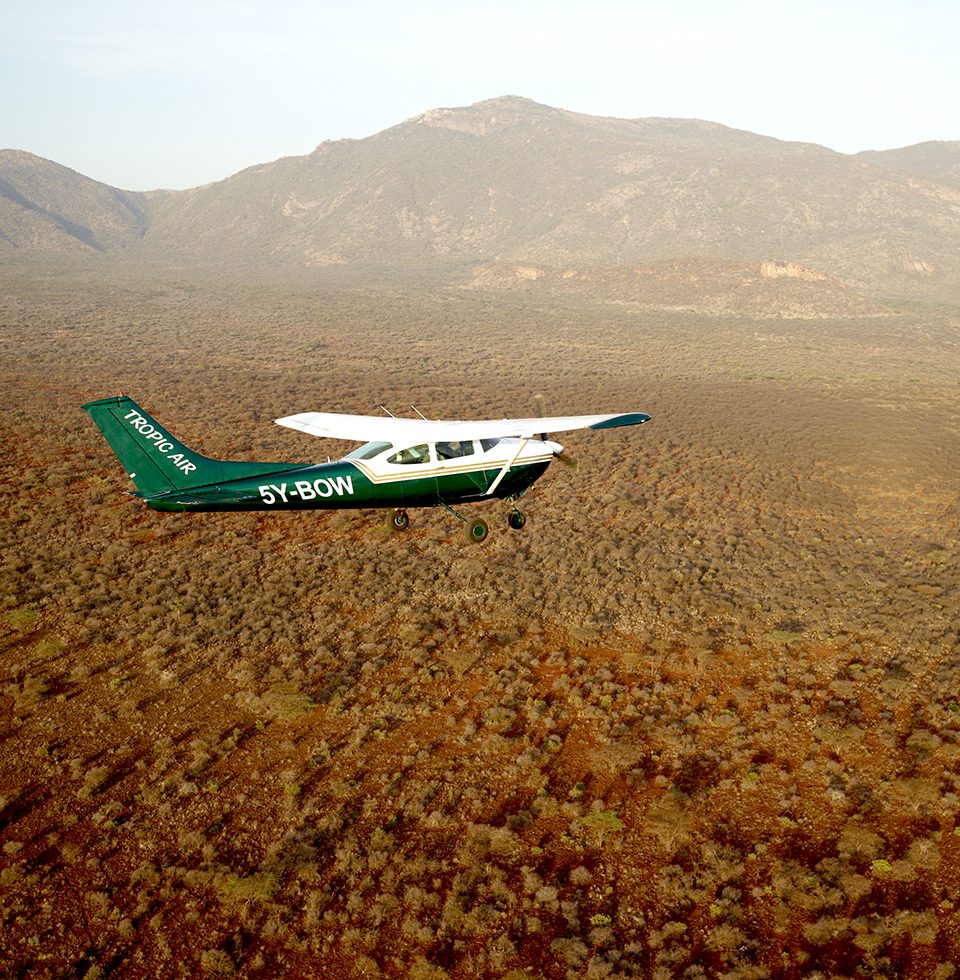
{"type": "Point", "coordinates": [936, 160]}
{"type": "Point", "coordinates": [48, 208]}
{"type": "Point", "coordinates": [510, 181]}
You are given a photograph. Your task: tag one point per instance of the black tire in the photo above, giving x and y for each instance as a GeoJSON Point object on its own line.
{"type": "Point", "coordinates": [399, 520]}
{"type": "Point", "coordinates": [516, 520]}
{"type": "Point", "coordinates": [476, 530]}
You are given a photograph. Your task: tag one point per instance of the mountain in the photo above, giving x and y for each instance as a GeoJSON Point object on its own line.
{"type": "Point", "coordinates": [508, 182]}
{"type": "Point", "coordinates": [935, 160]}
{"type": "Point", "coordinates": [47, 207]}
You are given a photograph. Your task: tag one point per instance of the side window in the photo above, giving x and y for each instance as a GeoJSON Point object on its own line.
{"type": "Point", "coordinates": [415, 454]}
{"type": "Point", "coordinates": [453, 450]}
{"type": "Point", "coordinates": [488, 444]}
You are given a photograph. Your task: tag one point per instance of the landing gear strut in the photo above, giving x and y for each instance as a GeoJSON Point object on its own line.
{"type": "Point", "coordinates": [476, 528]}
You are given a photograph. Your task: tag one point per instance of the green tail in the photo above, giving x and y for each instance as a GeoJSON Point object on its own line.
{"type": "Point", "coordinates": [156, 461]}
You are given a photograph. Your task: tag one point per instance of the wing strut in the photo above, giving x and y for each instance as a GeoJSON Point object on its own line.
{"type": "Point", "coordinates": [506, 466]}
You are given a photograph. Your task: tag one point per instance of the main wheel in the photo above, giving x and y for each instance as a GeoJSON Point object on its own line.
{"type": "Point", "coordinates": [399, 520]}
{"type": "Point", "coordinates": [476, 530]}
{"type": "Point", "coordinates": [516, 520]}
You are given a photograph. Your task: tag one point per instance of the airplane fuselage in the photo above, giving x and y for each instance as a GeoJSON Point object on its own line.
{"type": "Point", "coordinates": [344, 484]}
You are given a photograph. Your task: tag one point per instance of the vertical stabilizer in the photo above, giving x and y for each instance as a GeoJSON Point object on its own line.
{"type": "Point", "coordinates": [156, 461]}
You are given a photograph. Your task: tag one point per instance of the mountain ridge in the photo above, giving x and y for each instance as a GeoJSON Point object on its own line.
{"type": "Point", "coordinates": [46, 206]}
{"type": "Point", "coordinates": [510, 181]}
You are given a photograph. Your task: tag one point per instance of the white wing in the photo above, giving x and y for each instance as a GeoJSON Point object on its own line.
{"type": "Point", "coordinates": [374, 428]}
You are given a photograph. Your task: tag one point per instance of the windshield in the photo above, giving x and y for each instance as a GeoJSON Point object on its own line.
{"type": "Point", "coordinates": [369, 450]}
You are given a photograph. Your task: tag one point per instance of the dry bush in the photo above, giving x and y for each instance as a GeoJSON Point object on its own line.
{"type": "Point", "coordinates": [700, 715]}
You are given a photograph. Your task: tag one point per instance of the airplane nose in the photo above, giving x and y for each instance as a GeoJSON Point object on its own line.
{"type": "Point", "coordinates": [558, 453]}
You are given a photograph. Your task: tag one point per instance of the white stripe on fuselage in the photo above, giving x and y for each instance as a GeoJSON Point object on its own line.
{"type": "Point", "coordinates": [417, 471]}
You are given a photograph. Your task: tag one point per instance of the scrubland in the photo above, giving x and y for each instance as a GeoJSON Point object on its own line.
{"type": "Point", "coordinates": [698, 719]}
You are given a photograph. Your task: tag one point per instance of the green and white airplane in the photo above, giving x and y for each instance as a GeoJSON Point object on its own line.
{"type": "Point", "coordinates": [402, 463]}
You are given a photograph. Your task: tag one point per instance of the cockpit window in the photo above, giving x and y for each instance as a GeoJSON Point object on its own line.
{"type": "Point", "coordinates": [453, 450]}
{"type": "Point", "coordinates": [488, 444]}
{"type": "Point", "coordinates": [415, 454]}
{"type": "Point", "coordinates": [369, 450]}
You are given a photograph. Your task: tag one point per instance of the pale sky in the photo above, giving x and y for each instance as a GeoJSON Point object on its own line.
{"type": "Point", "coordinates": [177, 93]}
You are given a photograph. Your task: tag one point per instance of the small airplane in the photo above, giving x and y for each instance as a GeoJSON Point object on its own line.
{"type": "Point", "coordinates": [403, 463]}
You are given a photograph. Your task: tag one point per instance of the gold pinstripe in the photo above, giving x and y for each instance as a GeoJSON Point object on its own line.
{"type": "Point", "coordinates": [435, 471]}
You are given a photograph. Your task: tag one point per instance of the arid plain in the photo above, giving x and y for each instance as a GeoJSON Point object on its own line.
{"type": "Point", "coordinates": [699, 718]}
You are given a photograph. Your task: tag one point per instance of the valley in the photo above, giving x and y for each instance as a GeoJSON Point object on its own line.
{"type": "Point", "coordinates": [698, 718]}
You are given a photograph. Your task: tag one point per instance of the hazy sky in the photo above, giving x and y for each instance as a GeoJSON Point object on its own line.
{"type": "Point", "coordinates": [176, 93]}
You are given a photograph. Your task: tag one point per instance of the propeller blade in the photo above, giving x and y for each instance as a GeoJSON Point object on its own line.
{"type": "Point", "coordinates": [562, 457]}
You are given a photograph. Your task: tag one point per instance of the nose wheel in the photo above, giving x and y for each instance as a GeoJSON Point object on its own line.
{"type": "Point", "coordinates": [399, 520]}
{"type": "Point", "coordinates": [516, 520]}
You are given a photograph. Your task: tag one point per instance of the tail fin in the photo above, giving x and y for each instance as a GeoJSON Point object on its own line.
{"type": "Point", "coordinates": [156, 461]}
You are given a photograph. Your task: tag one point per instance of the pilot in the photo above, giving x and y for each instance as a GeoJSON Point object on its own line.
{"type": "Point", "coordinates": [451, 450]}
